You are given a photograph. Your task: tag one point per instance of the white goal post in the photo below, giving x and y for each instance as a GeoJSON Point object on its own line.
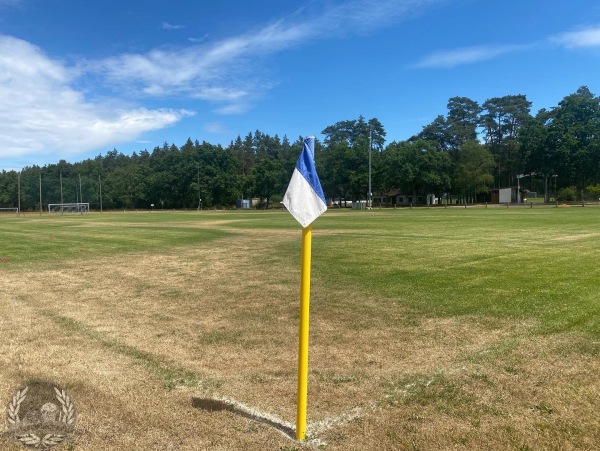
{"type": "Point", "coordinates": [9, 210]}
{"type": "Point", "coordinates": [78, 207]}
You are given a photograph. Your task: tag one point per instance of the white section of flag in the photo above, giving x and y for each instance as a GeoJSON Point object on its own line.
{"type": "Point", "coordinates": [302, 201]}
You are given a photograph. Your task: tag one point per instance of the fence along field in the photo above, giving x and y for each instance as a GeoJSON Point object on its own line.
{"type": "Point", "coordinates": [430, 329]}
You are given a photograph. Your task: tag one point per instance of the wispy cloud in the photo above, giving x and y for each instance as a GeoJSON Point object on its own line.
{"type": "Point", "coordinates": [216, 128]}
{"type": "Point", "coordinates": [10, 2]}
{"type": "Point", "coordinates": [467, 55]}
{"type": "Point", "coordinates": [587, 37]}
{"type": "Point", "coordinates": [42, 113]}
{"type": "Point", "coordinates": [170, 26]}
{"type": "Point", "coordinates": [230, 72]}
{"type": "Point", "coordinates": [366, 15]}
{"type": "Point", "coordinates": [198, 40]}
{"type": "Point", "coordinates": [583, 38]}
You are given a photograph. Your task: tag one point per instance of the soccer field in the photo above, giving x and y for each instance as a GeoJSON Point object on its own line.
{"type": "Point", "coordinates": [430, 329]}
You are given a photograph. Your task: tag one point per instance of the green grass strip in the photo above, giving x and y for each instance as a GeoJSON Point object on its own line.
{"type": "Point", "coordinates": [171, 376]}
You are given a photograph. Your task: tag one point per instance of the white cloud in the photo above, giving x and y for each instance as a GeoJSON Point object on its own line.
{"type": "Point", "coordinates": [229, 72]}
{"type": "Point", "coordinates": [466, 55]}
{"type": "Point", "coordinates": [589, 37]}
{"type": "Point", "coordinates": [216, 128]}
{"type": "Point", "coordinates": [198, 40]}
{"type": "Point", "coordinates": [170, 26]}
{"type": "Point", "coordinates": [366, 15]}
{"type": "Point", "coordinates": [42, 113]}
{"type": "Point", "coordinates": [10, 3]}
{"type": "Point", "coordinates": [233, 109]}
{"type": "Point", "coordinates": [584, 38]}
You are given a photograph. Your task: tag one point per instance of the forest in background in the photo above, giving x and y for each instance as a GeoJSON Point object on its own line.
{"type": "Point", "coordinates": [462, 155]}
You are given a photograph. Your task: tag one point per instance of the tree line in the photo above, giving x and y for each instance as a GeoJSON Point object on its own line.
{"type": "Point", "coordinates": [460, 156]}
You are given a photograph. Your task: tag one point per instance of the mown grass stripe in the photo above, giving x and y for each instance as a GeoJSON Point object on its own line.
{"type": "Point", "coordinates": [172, 376]}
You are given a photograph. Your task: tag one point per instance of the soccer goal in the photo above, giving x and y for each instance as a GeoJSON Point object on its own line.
{"type": "Point", "coordinates": [9, 210]}
{"type": "Point", "coordinates": [74, 208]}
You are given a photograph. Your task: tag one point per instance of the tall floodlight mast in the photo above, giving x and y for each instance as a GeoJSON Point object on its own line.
{"type": "Point", "coordinates": [19, 195]}
{"type": "Point", "coordinates": [40, 191]}
{"type": "Point", "coordinates": [100, 191]}
{"type": "Point", "coordinates": [199, 199]}
{"type": "Point", "coordinates": [370, 194]}
{"type": "Point", "coordinates": [61, 194]}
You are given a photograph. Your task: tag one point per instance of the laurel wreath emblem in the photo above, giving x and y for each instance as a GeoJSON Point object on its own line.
{"type": "Point", "coordinates": [15, 405]}
{"type": "Point", "coordinates": [31, 439]}
{"type": "Point", "coordinates": [46, 441]}
{"type": "Point", "coordinates": [67, 415]}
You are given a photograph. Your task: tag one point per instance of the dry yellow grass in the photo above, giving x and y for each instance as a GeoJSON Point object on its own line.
{"type": "Point", "coordinates": [136, 337]}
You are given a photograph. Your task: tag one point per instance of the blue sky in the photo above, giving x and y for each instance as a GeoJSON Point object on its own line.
{"type": "Point", "coordinates": [79, 78]}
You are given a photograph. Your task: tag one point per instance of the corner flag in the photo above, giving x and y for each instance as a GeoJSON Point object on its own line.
{"type": "Point", "coordinates": [304, 197]}
{"type": "Point", "coordinates": [305, 200]}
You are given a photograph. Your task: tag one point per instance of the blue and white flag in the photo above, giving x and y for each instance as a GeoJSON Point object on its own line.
{"type": "Point", "coordinates": [304, 197]}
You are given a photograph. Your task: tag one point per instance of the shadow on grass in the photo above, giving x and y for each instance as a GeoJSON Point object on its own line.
{"type": "Point", "coordinates": [217, 405]}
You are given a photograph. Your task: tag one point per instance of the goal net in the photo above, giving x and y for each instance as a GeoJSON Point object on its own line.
{"type": "Point", "coordinates": [74, 208]}
{"type": "Point", "coordinates": [9, 210]}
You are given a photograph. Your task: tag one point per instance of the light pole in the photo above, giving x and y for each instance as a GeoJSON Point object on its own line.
{"type": "Point", "coordinates": [199, 200]}
{"type": "Point", "coordinates": [19, 195]}
{"type": "Point", "coordinates": [370, 194]}
{"type": "Point", "coordinates": [519, 177]}
{"type": "Point", "coordinates": [40, 191]}
{"type": "Point", "coordinates": [61, 196]}
{"type": "Point", "coordinates": [531, 180]}
{"type": "Point", "coordinates": [100, 191]}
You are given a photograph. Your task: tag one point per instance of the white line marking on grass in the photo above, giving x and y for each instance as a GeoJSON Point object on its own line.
{"type": "Point", "coordinates": [319, 427]}
{"type": "Point", "coordinates": [287, 429]}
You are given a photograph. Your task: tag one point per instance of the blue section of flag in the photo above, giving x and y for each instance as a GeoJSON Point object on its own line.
{"type": "Point", "coordinates": [306, 166]}
{"type": "Point", "coordinates": [304, 197]}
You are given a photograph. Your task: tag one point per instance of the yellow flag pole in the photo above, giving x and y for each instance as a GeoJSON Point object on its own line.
{"type": "Point", "coordinates": [303, 335]}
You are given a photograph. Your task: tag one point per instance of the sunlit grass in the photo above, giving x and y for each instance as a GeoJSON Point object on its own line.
{"type": "Point", "coordinates": [520, 263]}
{"type": "Point", "coordinates": [524, 264]}
{"type": "Point", "coordinates": [54, 239]}
{"type": "Point", "coordinates": [474, 327]}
